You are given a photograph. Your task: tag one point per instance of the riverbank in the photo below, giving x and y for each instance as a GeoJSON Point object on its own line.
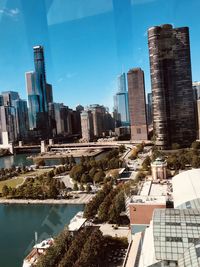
{"type": "Point", "coordinates": [81, 199]}
{"type": "Point", "coordinates": [75, 153]}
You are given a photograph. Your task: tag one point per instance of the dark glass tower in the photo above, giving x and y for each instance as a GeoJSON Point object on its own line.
{"type": "Point", "coordinates": [171, 80]}
{"type": "Point", "coordinates": [40, 77]}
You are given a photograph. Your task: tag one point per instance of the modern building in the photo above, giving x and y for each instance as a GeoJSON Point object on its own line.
{"type": "Point", "coordinates": [8, 127]}
{"type": "Point", "coordinates": [171, 80]}
{"type": "Point", "coordinates": [9, 97]}
{"type": "Point", "coordinates": [22, 119]}
{"type": "Point", "coordinates": [87, 127]}
{"type": "Point", "coordinates": [196, 88]}
{"type": "Point", "coordinates": [137, 104]}
{"type": "Point", "coordinates": [159, 169]}
{"type": "Point", "coordinates": [186, 189]}
{"type": "Point", "coordinates": [149, 109]}
{"type": "Point", "coordinates": [121, 102]}
{"type": "Point", "coordinates": [39, 94]}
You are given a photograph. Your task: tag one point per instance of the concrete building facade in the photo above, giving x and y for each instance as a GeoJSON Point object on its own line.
{"type": "Point", "coordinates": [137, 104]}
{"type": "Point", "coordinates": [171, 80]}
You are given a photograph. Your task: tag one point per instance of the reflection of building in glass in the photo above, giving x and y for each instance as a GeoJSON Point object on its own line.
{"type": "Point", "coordinates": [172, 94]}
{"type": "Point", "coordinates": [121, 103]}
{"type": "Point", "coordinates": [137, 104]}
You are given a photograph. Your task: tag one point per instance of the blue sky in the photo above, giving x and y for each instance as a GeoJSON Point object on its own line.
{"type": "Point", "coordinates": [88, 43]}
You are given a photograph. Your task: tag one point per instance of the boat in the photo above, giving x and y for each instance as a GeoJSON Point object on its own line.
{"type": "Point", "coordinates": [38, 250]}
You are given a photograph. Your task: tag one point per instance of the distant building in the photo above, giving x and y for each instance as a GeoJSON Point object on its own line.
{"type": "Point", "coordinates": [9, 97]}
{"type": "Point", "coordinates": [196, 90]}
{"type": "Point", "coordinates": [87, 127]}
{"type": "Point", "coordinates": [8, 127]}
{"type": "Point", "coordinates": [22, 120]}
{"type": "Point", "coordinates": [137, 104]}
{"type": "Point", "coordinates": [39, 94]}
{"type": "Point", "coordinates": [171, 80]}
{"type": "Point", "coordinates": [149, 109]}
{"type": "Point", "coordinates": [121, 103]}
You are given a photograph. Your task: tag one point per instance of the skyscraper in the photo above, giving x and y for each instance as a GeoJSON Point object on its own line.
{"type": "Point", "coordinates": [121, 102]}
{"type": "Point", "coordinates": [171, 80]}
{"type": "Point", "coordinates": [149, 110]}
{"type": "Point", "coordinates": [137, 104]}
{"type": "Point", "coordinates": [22, 120]}
{"type": "Point", "coordinates": [87, 128]}
{"type": "Point", "coordinates": [39, 94]}
{"type": "Point", "coordinates": [40, 77]}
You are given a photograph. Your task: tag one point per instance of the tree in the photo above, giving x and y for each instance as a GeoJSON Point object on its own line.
{"type": "Point", "coordinates": [82, 188]}
{"type": "Point", "coordinates": [5, 191]}
{"type": "Point", "coordinates": [122, 148]}
{"type": "Point", "coordinates": [85, 178]}
{"type": "Point", "coordinates": [195, 161]}
{"type": "Point", "coordinates": [98, 177]}
{"type": "Point", "coordinates": [75, 188]}
{"type": "Point", "coordinates": [195, 145]}
{"type": "Point", "coordinates": [175, 146]}
{"type": "Point", "coordinates": [88, 188]}
{"type": "Point", "coordinates": [134, 154]}
{"type": "Point", "coordinates": [39, 162]}
{"type": "Point", "coordinates": [146, 163]}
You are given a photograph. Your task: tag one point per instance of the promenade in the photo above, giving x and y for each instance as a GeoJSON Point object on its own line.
{"type": "Point", "coordinates": [81, 199]}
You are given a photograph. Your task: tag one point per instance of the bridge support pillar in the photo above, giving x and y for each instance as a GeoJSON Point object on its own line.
{"type": "Point", "coordinates": [51, 142]}
{"type": "Point", "coordinates": [20, 143]}
{"type": "Point", "coordinates": [43, 147]}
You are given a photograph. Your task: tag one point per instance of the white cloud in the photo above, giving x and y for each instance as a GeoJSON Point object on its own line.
{"type": "Point", "coordinates": [68, 75]}
{"type": "Point", "coordinates": [10, 12]}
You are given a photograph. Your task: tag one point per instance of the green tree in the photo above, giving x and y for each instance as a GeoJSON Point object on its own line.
{"type": "Point", "coordinates": [88, 188]}
{"type": "Point", "coordinates": [99, 176]}
{"type": "Point", "coordinates": [82, 188]}
{"type": "Point", "coordinates": [146, 163]}
{"type": "Point", "coordinates": [75, 188]}
{"type": "Point", "coordinates": [5, 191]}
{"type": "Point", "coordinates": [39, 162]}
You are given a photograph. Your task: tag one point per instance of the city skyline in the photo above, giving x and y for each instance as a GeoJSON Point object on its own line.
{"type": "Point", "coordinates": [75, 43]}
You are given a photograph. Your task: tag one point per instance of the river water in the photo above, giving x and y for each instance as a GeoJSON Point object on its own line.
{"type": "Point", "coordinates": [18, 223]}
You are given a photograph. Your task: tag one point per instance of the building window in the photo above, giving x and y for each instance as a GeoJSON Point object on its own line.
{"type": "Point", "coordinates": [138, 130]}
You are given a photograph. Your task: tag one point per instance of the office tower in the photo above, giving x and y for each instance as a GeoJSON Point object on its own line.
{"type": "Point", "coordinates": [149, 108]}
{"type": "Point", "coordinates": [33, 99]}
{"type": "Point", "coordinates": [9, 97]}
{"type": "Point", "coordinates": [49, 93]}
{"type": "Point", "coordinates": [40, 77]}
{"type": "Point", "coordinates": [172, 94]}
{"type": "Point", "coordinates": [87, 125]}
{"type": "Point", "coordinates": [39, 95]}
{"type": "Point", "coordinates": [60, 119]}
{"type": "Point", "coordinates": [22, 120]}
{"type": "Point", "coordinates": [8, 128]}
{"type": "Point", "coordinates": [121, 102]}
{"type": "Point", "coordinates": [98, 113]}
{"type": "Point", "coordinates": [137, 104]}
{"type": "Point", "coordinates": [196, 90]}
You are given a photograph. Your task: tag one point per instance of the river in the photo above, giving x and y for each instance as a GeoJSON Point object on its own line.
{"type": "Point", "coordinates": [18, 223]}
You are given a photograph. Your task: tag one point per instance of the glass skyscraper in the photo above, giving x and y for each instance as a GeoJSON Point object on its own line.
{"type": "Point", "coordinates": [121, 102]}
{"type": "Point", "coordinates": [39, 93]}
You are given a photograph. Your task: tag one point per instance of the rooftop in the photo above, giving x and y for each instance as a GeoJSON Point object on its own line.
{"type": "Point", "coordinates": [76, 222]}
{"type": "Point", "coordinates": [151, 200]}
{"type": "Point", "coordinates": [187, 194]}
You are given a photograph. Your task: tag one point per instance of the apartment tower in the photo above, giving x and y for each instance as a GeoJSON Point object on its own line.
{"type": "Point", "coordinates": [171, 81]}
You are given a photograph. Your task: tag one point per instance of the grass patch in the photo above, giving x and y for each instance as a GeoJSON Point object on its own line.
{"type": "Point", "coordinates": [11, 182]}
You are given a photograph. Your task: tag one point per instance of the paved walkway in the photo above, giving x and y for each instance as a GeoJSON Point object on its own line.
{"type": "Point", "coordinates": [82, 199]}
